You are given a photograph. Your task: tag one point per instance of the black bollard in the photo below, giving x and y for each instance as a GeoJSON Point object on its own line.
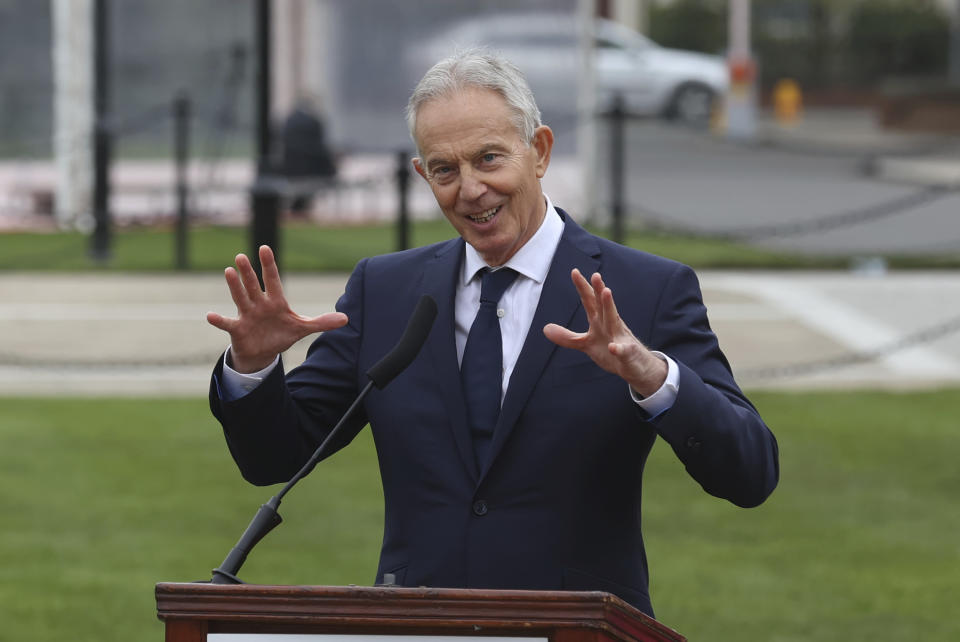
{"type": "Point", "coordinates": [181, 151]}
{"type": "Point", "coordinates": [265, 193]}
{"type": "Point", "coordinates": [265, 202]}
{"type": "Point", "coordinates": [403, 197]}
{"type": "Point", "coordinates": [617, 168]}
{"type": "Point", "coordinates": [102, 135]}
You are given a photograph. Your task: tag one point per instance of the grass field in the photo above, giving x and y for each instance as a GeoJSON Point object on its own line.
{"type": "Point", "coordinates": [338, 248]}
{"type": "Point", "coordinates": [100, 499]}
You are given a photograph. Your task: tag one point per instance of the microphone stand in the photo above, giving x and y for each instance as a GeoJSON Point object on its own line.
{"type": "Point", "coordinates": [267, 517]}
{"type": "Point", "coordinates": [380, 374]}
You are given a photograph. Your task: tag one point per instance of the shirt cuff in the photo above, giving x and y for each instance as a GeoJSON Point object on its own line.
{"type": "Point", "coordinates": [237, 384]}
{"type": "Point", "coordinates": [662, 400]}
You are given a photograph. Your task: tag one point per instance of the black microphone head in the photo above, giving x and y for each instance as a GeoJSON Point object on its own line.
{"type": "Point", "coordinates": [407, 348]}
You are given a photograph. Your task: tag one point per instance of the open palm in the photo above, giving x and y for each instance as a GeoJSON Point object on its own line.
{"type": "Point", "coordinates": [265, 324]}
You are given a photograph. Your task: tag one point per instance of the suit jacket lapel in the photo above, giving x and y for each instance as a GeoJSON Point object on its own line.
{"type": "Point", "coordinates": [558, 303]}
{"type": "Point", "coordinates": [440, 281]}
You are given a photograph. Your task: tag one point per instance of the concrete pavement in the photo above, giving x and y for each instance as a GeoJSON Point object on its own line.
{"type": "Point", "coordinates": [146, 335]}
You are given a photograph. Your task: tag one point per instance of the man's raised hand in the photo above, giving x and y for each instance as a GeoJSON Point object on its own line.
{"type": "Point", "coordinates": [608, 340]}
{"type": "Point", "coordinates": [265, 325]}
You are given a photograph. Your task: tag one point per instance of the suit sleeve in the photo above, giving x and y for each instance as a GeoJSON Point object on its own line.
{"type": "Point", "coordinates": [712, 427]}
{"type": "Point", "coordinates": [273, 430]}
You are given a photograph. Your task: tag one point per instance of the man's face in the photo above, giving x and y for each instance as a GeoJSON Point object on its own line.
{"type": "Point", "coordinates": [484, 176]}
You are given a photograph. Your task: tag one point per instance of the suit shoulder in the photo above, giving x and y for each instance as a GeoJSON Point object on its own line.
{"type": "Point", "coordinates": [619, 257]}
{"type": "Point", "coordinates": [634, 259]}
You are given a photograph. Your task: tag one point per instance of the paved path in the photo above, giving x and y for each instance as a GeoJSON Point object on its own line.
{"type": "Point", "coordinates": [799, 194]}
{"type": "Point", "coordinates": [146, 335]}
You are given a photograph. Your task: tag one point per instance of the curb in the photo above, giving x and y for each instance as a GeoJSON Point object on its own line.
{"type": "Point", "coordinates": [930, 172]}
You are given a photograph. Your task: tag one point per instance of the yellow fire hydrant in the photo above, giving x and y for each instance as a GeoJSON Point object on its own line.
{"type": "Point", "coordinates": [787, 101]}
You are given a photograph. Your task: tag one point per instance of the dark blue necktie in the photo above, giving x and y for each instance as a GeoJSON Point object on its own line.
{"type": "Point", "coordinates": [481, 370]}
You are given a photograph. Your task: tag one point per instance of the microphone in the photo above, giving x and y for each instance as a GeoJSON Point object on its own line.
{"type": "Point", "coordinates": [403, 354]}
{"type": "Point", "coordinates": [380, 374]}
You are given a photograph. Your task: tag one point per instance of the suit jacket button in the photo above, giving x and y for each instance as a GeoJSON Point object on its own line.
{"type": "Point", "coordinates": [693, 443]}
{"type": "Point", "coordinates": [479, 508]}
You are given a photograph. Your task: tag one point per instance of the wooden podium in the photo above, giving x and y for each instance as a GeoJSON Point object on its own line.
{"type": "Point", "coordinates": [192, 611]}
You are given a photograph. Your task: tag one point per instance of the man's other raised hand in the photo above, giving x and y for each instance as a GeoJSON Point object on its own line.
{"type": "Point", "coordinates": [265, 325]}
{"type": "Point", "coordinates": [608, 340]}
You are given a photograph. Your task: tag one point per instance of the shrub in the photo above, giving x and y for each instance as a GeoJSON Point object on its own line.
{"type": "Point", "coordinates": [898, 37]}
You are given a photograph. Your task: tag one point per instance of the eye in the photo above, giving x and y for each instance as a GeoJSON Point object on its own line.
{"type": "Point", "coordinates": [443, 173]}
{"type": "Point", "coordinates": [489, 157]}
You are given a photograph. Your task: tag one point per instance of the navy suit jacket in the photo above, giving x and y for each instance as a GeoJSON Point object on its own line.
{"type": "Point", "coordinates": [557, 506]}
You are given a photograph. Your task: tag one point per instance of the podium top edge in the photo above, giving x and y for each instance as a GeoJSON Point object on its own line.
{"type": "Point", "coordinates": [411, 606]}
{"type": "Point", "coordinates": [398, 592]}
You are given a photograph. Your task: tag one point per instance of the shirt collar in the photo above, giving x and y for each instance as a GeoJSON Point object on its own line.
{"type": "Point", "coordinates": [532, 260]}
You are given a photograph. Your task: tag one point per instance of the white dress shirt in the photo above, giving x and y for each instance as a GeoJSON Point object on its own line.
{"type": "Point", "coordinates": [519, 302]}
{"type": "Point", "coordinates": [515, 309]}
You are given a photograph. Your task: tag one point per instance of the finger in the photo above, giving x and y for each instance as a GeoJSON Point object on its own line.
{"type": "Point", "coordinates": [271, 273]}
{"type": "Point", "coordinates": [237, 292]}
{"type": "Point", "coordinates": [226, 324]}
{"type": "Point", "coordinates": [596, 282]}
{"type": "Point", "coordinates": [611, 316]}
{"type": "Point", "coordinates": [563, 337]}
{"type": "Point", "coordinates": [587, 296]}
{"type": "Point", "coordinates": [249, 278]}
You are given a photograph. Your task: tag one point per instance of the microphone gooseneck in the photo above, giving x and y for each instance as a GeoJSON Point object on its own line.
{"type": "Point", "coordinates": [380, 374]}
{"type": "Point", "coordinates": [413, 338]}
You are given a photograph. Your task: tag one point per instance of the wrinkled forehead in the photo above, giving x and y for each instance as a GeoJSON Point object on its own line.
{"type": "Point", "coordinates": [465, 109]}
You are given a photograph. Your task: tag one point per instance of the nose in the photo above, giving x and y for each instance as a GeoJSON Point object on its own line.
{"type": "Point", "coordinates": [471, 185]}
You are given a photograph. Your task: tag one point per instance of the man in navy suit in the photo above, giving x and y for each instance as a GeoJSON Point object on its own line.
{"type": "Point", "coordinates": [550, 498]}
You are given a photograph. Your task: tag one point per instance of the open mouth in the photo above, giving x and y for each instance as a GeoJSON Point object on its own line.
{"type": "Point", "coordinates": [486, 216]}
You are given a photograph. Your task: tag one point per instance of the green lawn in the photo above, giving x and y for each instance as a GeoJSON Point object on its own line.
{"type": "Point", "coordinates": [102, 498]}
{"type": "Point", "coordinates": [338, 248]}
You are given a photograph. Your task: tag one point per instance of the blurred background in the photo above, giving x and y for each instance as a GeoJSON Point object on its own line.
{"type": "Point", "coordinates": [859, 85]}
{"type": "Point", "coordinates": [802, 155]}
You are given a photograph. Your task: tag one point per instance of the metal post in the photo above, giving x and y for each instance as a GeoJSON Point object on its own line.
{"type": "Point", "coordinates": [264, 195]}
{"type": "Point", "coordinates": [741, 96]}
{"type": "Point", "coordinates": [263, 80]}
{"type": "Point", "coordinates": [265, 199]}
{"type": "Point", "coordinates": [617, 169]}
{"type": "Point", "coordinates": [181, 151]}
{"type": "Point", "coordinates": [102, 143]}
{"type": "Point", "coordinates": [953, 69]}
{"type": "Point", "coordinates": [403, 197]}
{"type": "Point", "coordinates": [587, 115]}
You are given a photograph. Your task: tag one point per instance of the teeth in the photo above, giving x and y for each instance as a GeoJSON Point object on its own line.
{"type": "Point", "coordinates": [483, 217]}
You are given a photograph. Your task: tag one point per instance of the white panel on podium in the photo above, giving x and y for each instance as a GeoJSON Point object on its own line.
{"type": "Point", "coordinates": [303, 637]}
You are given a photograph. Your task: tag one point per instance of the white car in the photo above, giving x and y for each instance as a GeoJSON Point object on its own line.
{"type": "Point", "coordinates": [653, 80]}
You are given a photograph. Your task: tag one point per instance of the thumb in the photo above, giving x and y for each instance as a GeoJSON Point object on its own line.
{"type": "Point", "coordinates": [561, 336]}
{"type": "Point", "coordinates": [324, 322]}
{"type": "Point", "coordinates": [221, 322]}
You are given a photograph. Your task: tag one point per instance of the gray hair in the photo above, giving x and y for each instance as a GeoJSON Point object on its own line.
{"type": "Point", "coordinates": [483, 69]}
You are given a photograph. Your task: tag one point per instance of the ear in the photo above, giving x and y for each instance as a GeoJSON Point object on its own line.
{"type": "Point", "coordinates": [542, 144]}
{"type": "Point", "coordinates": [418, 165]}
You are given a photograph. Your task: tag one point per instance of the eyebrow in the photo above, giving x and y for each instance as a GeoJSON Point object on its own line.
{"type": "Point", "coordinates": [436, 162]}
{"type": "Point", "coordinates": [480, 151]}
